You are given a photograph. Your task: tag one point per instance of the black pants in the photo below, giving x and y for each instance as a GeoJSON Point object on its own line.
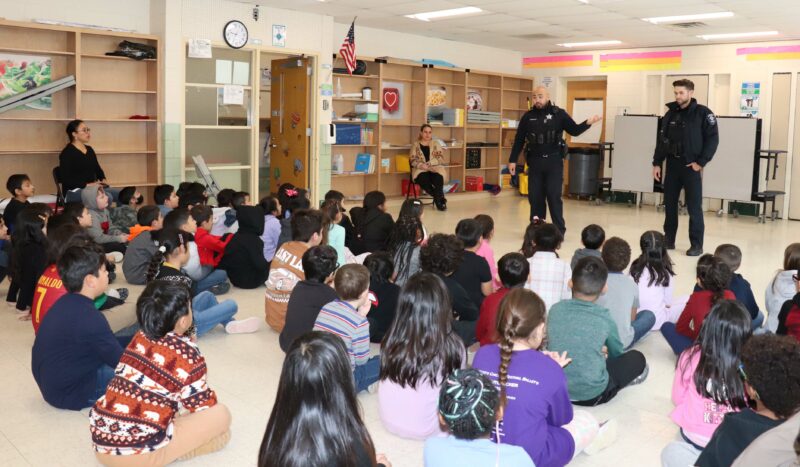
{"type": "Point", "coordinates": [621, 371]}
{"type": "Point", "coordinates": [114, 246]}
{"type": "Point", "coordinates": [466, 331]}
{"type": "Point", "coordinates": [432, 183]}
{"type": "Point", "coordinates": [545, 183]}
{"type": "Point", "coordinates": [678, 177]}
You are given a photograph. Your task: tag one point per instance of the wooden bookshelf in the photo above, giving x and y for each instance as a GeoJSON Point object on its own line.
{"type": "Point", "coordinates": [108, 91]}
{"type": "Point", "coordinates": [506, 94]}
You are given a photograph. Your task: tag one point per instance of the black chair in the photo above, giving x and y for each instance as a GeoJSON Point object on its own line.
{"type": "Point", "coordinates": [60, 200]}
{"type": "Point", "coordinates": [417, 191]}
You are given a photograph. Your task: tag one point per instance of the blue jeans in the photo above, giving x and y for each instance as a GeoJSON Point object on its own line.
{"type": "Point", "coordinates": [211, 278]}
{"type": "Point", "coordinates": [208, 313]}
{"type": "Point", "coordinates": [758, 321]}
{"type": "Point", "coordinates": [367, 374]}
{"type": "Point", "coordinates": [644, 322]}
{"type": "Point", "coordinates": [104, 375]}
{"type": "Point", "coordinates": [676, 340]}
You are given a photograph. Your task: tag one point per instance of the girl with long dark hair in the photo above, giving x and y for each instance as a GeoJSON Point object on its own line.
{"type": "Point", "coordinates": [538, 415]}
{"type": "Point", "coordinates": [653, 272]}
{"type": "Point", "coordinates": [714, 278]}
{"type": "Point", "coordinates": [417, 354]}
{"type": "Point", "coordinates": [405, 244]}
{"type": "Point", "coordinates": [707, 384]}
{"type": "Point", "coordinates": [315, 420]}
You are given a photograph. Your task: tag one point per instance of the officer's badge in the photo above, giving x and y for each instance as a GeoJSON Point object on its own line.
{"type": "Point", "coordinates": [712, 120]}
{"type": "Point", "coordinates": [549, 117]}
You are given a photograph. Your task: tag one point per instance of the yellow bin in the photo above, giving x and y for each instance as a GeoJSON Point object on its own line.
{"type": "Point", "coordinates": [523, 182]}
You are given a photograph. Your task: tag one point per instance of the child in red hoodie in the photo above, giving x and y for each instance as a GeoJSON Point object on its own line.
{"type": "Point", "coordinates": [789, 316]}
{"type": "Point", "coordinates": [210, 247]}
{"type": "Point", "coordinates": [514, 271]}
{"type": "Point", "coordinates": [714, 278]}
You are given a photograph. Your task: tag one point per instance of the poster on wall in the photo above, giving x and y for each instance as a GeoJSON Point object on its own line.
{"type": "Point", "coordinates": [392, 101]}
{"type": "Point", "coordinates": [748, 105]}
{"type": "Point", "coordinates": [21, 73]}
{"type": "Point", "coordinates": [278, 35]}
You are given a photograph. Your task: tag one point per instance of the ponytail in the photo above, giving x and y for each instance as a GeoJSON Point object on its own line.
{"type": "Point", "coordinates": [168, 240]}
{"type": "Point", "coordinates": [155, 263]}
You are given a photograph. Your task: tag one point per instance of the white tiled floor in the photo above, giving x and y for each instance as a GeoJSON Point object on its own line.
{"type": "Point", "coordinates": [245, 369]}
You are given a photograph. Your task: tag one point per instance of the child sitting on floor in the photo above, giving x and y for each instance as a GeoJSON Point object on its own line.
{"type": "Point", "coordinates": [485, 249]}
{"type": "Point", "coordinates": [514, 272]}
{"type": "Point", "coordinates": [707, 384]}
{"type": "Point", "coordinates": [209, 246]}
{"type": "Point", "coordinates": [600, 368]}
{"type": "Point", "coordinates": [124, 214]}
{"type": "Point", "coordinates": [160, 374]}
{"type": "Point", "coordinates": [622, 297]}
{"type": "Point", "coordinates": [103, 230]}
{"type": "Point", "coordinates": [272, 226]}
{"type": "Point", "coordinates": [592, 237]}
{"type": "Point", "coordinates": [204, 277]}
{"type": "Point", "coordinates": [310, 294]}
{"type": "Point", "coordinates": [771, 376]}
{"type": "Point", "coordinates": [405, 244]}
{"type": "Point", "coordinates": [143, 246]}
{"type": "Point", "coordinates": [732, 256]}
{"type": "Point", "coordinates": [166, 265]}
{"type": "Point", "coordinates": [346, 317]}
{"type": "Point", "coordinates": [345, 222]}
{"type": "Point", "coordinates": [714, 278]}
{"type": "Point", "coordinates": [789, 316]}
{"type": "Point", "coordinates": [652, 272]}
{"type": "Point", "coordinates": [224, 214]}
{"type": "Point", "coordinates": [549, 274]}
{"type": "Point", "coordinates": [469, 406]}
{"type": "Point", "coordinates": [473, 273]}
{"type": "Point", "coordinates": [782, 287]}
{"type": "Point", "coordinates": [74, 352]}
{"type": "Point", "coordinates": [335, 234]}
{"type": "Point", "coordinates": [243, 259]}
{"type": "Point", "coordinates": [383, 294]}
{"type": "Point", "coordinates": [166, 199]}
{"type": "Point", "coordinates": [28, 256]}
{"type": "Point", "coordinates": [537, 414]}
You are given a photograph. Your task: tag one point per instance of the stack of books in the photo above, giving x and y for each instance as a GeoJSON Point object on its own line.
{"type": "Point", "coordinates": [483, 117]}
{"type": "Point", "coordinates": [365, 163]}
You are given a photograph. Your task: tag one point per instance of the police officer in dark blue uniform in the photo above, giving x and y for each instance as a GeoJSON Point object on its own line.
{"type": "Point", "coordinates": [688, 138]}
{"type": "Point", "coordinates": [540, 132]}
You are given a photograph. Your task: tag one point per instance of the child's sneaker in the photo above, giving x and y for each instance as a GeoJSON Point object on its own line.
{"type": "Point", "coordinates": [243, 326]}
{"type": "Point", "coordinates": [221, 288]}
{"type": "Point", "coordinates": [117, 256]}
{"type": "Point", "coordinates": [605, 437]}
{"type": "Point", "coordinates": [640, 379]}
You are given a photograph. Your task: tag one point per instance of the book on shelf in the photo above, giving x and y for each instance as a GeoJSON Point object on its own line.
{"type": "Point", "coordinates": [365, 163]}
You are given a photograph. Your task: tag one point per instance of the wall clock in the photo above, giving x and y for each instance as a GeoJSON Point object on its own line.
{"type": "Point", "coordinates": [235, 34]}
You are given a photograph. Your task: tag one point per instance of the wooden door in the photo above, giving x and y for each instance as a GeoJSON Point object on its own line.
{"type": "Point", "coordinates": [590, 90]}
{"type": "Point", "coordinates": [289, 117]}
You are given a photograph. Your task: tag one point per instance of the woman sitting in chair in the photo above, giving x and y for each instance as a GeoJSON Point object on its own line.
{"type": "Point", "coordinates": [427, 166]}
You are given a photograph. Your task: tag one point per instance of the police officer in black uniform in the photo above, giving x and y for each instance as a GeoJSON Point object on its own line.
{"type": "Point", "coordinates": [688, 138]}
{"type": "Point", "coordinates": [540, 131]}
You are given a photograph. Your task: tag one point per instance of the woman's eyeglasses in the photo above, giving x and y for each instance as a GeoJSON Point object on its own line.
{"type": "Point", "coordinates": [796, 277]}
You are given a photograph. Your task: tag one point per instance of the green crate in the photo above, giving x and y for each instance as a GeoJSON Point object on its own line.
{"type": "Point", "coordinates": [620, 197]}
{"type": "Point", "coordinates": [744, 209]}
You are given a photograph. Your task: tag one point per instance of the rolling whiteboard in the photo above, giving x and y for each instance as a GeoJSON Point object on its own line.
{"type": "Point", "coordinates": [634, 144]}
{"type": "Point", "coordinates": [582, 109]}
{"type": "Point", "coordinates": [729, 175]}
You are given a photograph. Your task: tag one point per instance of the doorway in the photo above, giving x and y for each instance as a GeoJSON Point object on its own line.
{"type": "Point", "coordinates": [583, 97]}
{"type": "Point", "coordinates": [284, 131]}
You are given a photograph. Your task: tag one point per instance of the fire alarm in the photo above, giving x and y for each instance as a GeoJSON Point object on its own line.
{"type": "Point", "coordinates": [255, 12]}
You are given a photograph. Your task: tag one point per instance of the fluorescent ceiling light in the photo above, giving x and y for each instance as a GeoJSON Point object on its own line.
{"type": "Point", "coordinates": [686, 18]}
{"type": "Point", "coordinates": [469, 10]}
{"type": "Point", "coordinates": [737, 35]}
{"type": "Point", "coordinates": [589, 44]}
{"type": "Point", "coordinates": [585, 2]}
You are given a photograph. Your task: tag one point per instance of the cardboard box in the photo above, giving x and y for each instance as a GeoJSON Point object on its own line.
{"type": "Point", "coordinates": [367, 108]}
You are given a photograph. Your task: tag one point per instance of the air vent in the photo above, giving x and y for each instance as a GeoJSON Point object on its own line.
{"type": "Point", "coordinates": [535, 36]}
{"type": "Point", "coordinates": [689, 25]}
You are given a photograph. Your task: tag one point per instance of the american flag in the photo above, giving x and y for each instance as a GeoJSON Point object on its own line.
{"type": "Point", "coordinates": [348, 49]}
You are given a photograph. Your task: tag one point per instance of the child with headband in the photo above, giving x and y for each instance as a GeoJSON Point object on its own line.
{"type": "Point", "coordinates": [469, 405]}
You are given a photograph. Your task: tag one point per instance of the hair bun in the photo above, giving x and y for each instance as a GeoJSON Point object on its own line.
{"type": "Point", "coordinates": [466, 388]}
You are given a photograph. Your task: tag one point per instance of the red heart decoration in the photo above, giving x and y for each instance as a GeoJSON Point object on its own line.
{"type": "Point", "coordinates": [390, 98]}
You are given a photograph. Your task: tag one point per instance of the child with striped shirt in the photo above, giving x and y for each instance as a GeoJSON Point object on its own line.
{"type": "Point", "coordinates": [347, 318]}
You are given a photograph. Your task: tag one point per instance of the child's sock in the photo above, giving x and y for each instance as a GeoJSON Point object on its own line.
{"type": "Point", "coordinates": [243, 326]}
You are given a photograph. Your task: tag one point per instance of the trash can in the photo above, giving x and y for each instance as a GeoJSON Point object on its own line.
{"type": "Point", "coordinates": [583, 169]}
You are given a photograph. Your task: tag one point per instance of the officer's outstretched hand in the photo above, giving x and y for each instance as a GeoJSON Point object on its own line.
{"type": "Point", "coordinates": [593, 119]}
{"type": "Point", "coordinates": [512, 168]}
{"type": "Point", "coordinates": [657, 173]}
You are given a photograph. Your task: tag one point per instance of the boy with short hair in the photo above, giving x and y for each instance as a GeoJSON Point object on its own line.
{"type": "Point", "coordinates": [592, 237]}
{"type": "Point", "coordinates": [286, 269]}
{"type": "Point", "coordinates": [209, 246]}
{"type": "Point", "coordinates": [166, 199]}
{"type": "Point", "coordinates": [549, 274]}
{"type": "Point", "coordinates": [513, 270]}
{"type": "Point", "coordinates": [21, 188]}
{"type": "Point", "coordinates": [205, 277]}
{"type": "Point", "coordinates": [124, 214]}
{"type": "Point", "coordinates": [347, 318]}
{"type": "Point", "coordinates": [622, 297]}
{"type": "Point", "coordinates": [588, 335]}
{"type": "Point", "coordinates": [732, 256]}
{"type": "Point", "coordinates": [224, 214]}
{"type": "Point", "coordinates": [310, 294]}
{"type": "Point", "coordinates": [473, 273]}
{"type": "Point", "coordinates": [142, 246]}
{"type": "Point", "coordinates": [75, 352]}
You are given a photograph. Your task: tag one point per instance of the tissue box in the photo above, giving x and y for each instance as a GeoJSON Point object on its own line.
{"type": "Point", "coordinates": [366, 108]}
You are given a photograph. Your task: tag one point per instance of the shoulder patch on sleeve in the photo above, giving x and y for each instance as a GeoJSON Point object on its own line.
{"type": "Point", "coordinates": [712, 120]}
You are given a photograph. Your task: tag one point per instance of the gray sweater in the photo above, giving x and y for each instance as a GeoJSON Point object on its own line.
{"type": "Point", "coordinates": [137, 258]}
{"type": "Point", "coordinates": [583, 253]}
{"type": "Point", "coordinates": [99, 216]}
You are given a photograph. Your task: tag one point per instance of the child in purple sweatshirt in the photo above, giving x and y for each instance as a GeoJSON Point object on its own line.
{"type": "Point", "coordinates": [538, 415]}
